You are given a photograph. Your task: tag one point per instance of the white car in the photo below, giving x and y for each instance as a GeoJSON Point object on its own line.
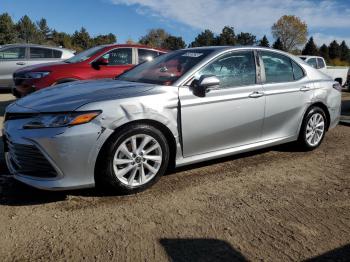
{"type": "Point", "coordinates": [16, 56]}
{"type": "Point", "coordinates": [338, 73]}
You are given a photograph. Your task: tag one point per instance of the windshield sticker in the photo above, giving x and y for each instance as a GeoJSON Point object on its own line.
{"type": "Point", "coordinates": [190, 54]}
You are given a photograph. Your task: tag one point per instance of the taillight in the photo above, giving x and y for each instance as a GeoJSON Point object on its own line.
{"type": "Point", "coordinates": [337, 86]}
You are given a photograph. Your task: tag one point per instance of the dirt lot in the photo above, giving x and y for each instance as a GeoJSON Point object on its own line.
{"type": "Point", "coordinates": [278, 204]}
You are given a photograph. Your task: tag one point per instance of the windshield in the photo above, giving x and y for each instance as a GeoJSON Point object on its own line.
{"type": "Point", "coordinates": [85, 55]}
{"type": "Point", "coordinates": [167, 68]}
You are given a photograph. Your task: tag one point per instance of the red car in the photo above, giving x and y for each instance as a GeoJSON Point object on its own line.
{"type": "Point", "coordinates": [105, 61]}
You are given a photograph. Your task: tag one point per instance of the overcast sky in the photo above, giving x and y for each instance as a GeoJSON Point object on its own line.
{"type": "Point", "coordinates": [327, 19]}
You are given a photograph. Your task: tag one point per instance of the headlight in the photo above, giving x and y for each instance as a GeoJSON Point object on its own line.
{"type": "Point", "coordinates": [36, 75]}
{"type": "Point", "coordinates": [61, 119]}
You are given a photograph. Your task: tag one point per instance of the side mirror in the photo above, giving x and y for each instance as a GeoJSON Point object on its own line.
{"type": "Point", "coordinates": [200, 87]}
{"type": "Point", "coordinates": [100, 61]}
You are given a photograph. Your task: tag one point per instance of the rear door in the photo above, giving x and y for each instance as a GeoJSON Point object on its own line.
{"type": "Point", "coordinates": [228, 116]}
{"type": "Point", "coordinates": [288, 92]}
{"type": "Point", "coordinates": [11, 59]}
{"type": "Point", "coordinates": [119, 60]}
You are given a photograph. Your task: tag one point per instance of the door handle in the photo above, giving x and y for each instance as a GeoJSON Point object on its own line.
{"type": "Point", "coordinates": [305, 88]}
{"type": "Point", "coordinates": [20, 63]}
{"type": "Point", "coordinates": [256, 94]}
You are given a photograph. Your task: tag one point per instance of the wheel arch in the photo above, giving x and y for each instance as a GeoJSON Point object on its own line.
{"type": "Point", "coordinates": [324, 108]}
{"type": "Point", "coordinates": [160, 126]}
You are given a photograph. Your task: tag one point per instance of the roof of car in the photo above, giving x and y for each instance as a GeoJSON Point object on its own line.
{"type": "Point", "coordinates": [136, 46]}
{"type": "Point", "coordinates": [309, 56]}
{"type": "Point", "coordinates": [36, 45]}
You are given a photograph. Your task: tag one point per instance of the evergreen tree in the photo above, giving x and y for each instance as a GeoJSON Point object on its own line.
{"type": "Point", "coordinates": [44, 31]}
{"type": "Point", "coordinates": [173, 43]}
{"type": "Point", "coordinates": [27, 30]}
{"type": "Point", "coordinates": [324, 52]}
{"type": "Point", "coordinates": [227, 36]}
{"type": "Point", "coordinates": [334, 50]}
{"type": "Point", "coordinates": [310, 48]}
{"type": "Point", "coordinates": [246, 39]}
{"type": "Point", "coordinates": [278, 44]}
{"type": "Point", "coordinates": [62, 39]}
{"type": "Point", "coordinates": [264, 42]}
{"type": "Point", "coordinates": [8, 32]}
{"type": "Point", "coordinates": [344, 52]}
{"type": "Point", "coordinates": [206, 38]}
{"type": "Point", "coordinates": [104, 39]}
{"type": "Point", "coordinates": [81, 39]}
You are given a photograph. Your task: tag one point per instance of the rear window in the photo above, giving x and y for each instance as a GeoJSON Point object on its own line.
{"type": "Point", "coordinates": [42, 53]}
{"type": "Point", "coordinates": [312, 62]}
{"type": "Point", "coordinates": [57, 54]}
{"type": "Point", "coordinates": [320, 63]}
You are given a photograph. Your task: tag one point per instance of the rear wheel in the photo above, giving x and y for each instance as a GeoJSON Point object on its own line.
{"type": "Point", "coordinates": [313, 128]}
{"type": "Point", "coordinates": [136, 158]}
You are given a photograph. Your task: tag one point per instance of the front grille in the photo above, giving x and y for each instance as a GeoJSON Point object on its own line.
{"type": "Point", "coordinates": [28, 160]}
{"type": "Point", "coordinates": [18, 78]}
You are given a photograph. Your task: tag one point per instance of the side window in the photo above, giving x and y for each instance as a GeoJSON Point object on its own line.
{"type": "Point", "coordinates": [56, 54]}
{"type": "Point", "coordinates": [146, 55]}
{"type": "Point", "coordinates": [121, 56]}
{"type": "Point", "coordinates": [312, 62]}
{"type": "Point", "coordinates": [320, 63]}
{"type": "Point", "coordinates": [13, 53]}
{"type": "Point", "coordinates": [233, 69]}
{"type": "Point", "coordinates": [278, 68]}
{"type": "Point", "coordinates": [298, 71]}
{"type": "Point", "coordinates": [39, 53]}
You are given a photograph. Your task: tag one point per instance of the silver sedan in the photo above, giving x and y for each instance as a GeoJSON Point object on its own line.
{"type": "Point", "coordinates": [183, 107]}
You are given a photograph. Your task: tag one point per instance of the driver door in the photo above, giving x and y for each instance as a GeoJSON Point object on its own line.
{"type": "Point", "coordinates": [228, 116]}
{"type": "Point", "coordinates": [119, 60]}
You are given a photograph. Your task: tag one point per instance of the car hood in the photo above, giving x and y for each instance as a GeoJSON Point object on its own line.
{"type": "Point", "coordinates": [72, 95]}
{"type": "Point", "coordinates": [44, 67]}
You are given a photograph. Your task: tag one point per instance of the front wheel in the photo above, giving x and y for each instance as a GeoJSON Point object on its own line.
{"type": "Point", "coordinates": [137, 156]}
{"type": "Point", "coordinates": [313, 128]}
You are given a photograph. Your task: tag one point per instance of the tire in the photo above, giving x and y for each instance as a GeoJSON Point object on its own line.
{"type": "Point", "coordinates": [154, 165]}
{"type": "Point", "coordinates": [312, 127]}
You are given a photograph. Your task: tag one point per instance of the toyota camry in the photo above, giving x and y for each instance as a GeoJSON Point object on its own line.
{"type": "Point", "coordinates": [183, 107]}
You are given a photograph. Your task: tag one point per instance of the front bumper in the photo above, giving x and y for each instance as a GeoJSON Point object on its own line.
{"type": "Point", "coordinates": [71, 152]}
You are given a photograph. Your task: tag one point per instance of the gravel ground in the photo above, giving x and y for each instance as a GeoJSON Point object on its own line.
{"type": "Point", "coordinates": [277, 204]}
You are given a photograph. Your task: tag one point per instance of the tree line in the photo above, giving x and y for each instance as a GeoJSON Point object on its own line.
{"type": "Point", "coordinates": [27, 31]}
{"type": "Point", "coordinates": [290, 34]}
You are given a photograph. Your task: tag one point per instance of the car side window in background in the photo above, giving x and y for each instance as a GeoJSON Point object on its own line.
{"type": "Point", "coordinates": [233, 69]}
{"type": "Point", "coordinates": [298, 71]}
{"type": "Point", "coordinates": [278, 68]}
{"type": "Point", "coordinates": [312, 62]}
{"type": "Point", "coordinates": [56, 54]}
{"type": "Point", "coordinates": [13, 53]}
{"type": "Point", "coordinates": [38, 53]}
{"type": "Point", "coordinates": [320, 63]}
{"type": "Point", "coordinates": [146, 55]}
{"type": "Point", "coordinates": [121, 56]}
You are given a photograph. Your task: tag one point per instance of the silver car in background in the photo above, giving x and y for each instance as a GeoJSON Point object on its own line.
{"type": "Point", "coordinates": [16, 56]}
{"type": "Point", "coordinates": [183, 107]}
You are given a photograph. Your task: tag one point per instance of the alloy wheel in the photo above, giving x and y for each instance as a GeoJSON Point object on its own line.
{"type": "Point", "coordinates": [137, 160]}
{"type": "Point", "coordinates": [315, 129]}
